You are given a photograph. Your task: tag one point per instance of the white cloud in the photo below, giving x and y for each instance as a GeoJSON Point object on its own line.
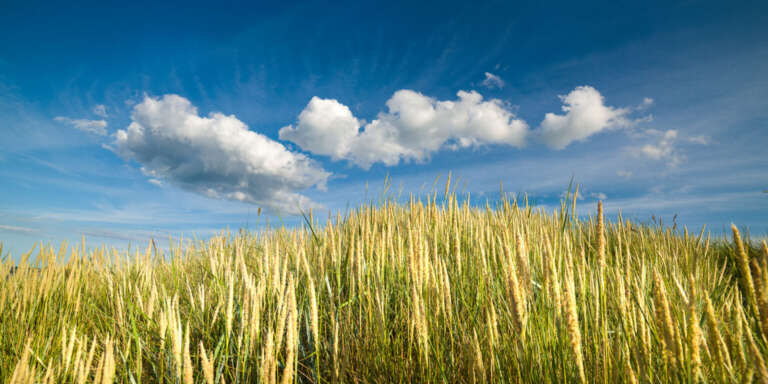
{"type": "Point", "coordinates": [663, 149]}
{"type": "Point", "coordinates": [97, 127]}
{"type": "Point", "coordinates": [216, 156]}
{"type": "Point", "coordinates": [582, 194]}
{"type": "Point", "coordinates": [624, 174]}
{"type": "Point", "coordinates": [12, 228]}
{"type": "Point", "coordinates": [414, 127]}
{"type": "Point", "coordinates": [325, 126]}
{"type": "Point", "coordinates": [585, 115]}
{"type": "Point", "coordinates": [493, 81]}
{"type": "Point", "coordinates": [100, 110]}
{"type": "Point", "coordinates": [703, 140]}
{"type": "Point", "coordinates": [647, 103]}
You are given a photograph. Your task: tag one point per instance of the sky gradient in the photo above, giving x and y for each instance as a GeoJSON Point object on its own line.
{"type": "Point", "coordinates": [124, 122]}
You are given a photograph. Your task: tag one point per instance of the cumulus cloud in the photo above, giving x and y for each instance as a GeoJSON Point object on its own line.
{"type": "Point", "coordinates": [217, 156]}
{"type": "Point", "coordinates": [413, 127]}
{"type": "Point", "coordinates": [325, 127]}
{"type": "Point", "coordinates": [100, 110]}
{"type": "Point", "coordinates": [98, 127]}
{"type": "Point", "coordinates": [492, 81]}
{"type": "Point", "coordinates": [585, 115]}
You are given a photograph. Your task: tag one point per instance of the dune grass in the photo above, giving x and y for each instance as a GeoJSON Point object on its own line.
{"type": "Point", "coordinates": [422, 291]}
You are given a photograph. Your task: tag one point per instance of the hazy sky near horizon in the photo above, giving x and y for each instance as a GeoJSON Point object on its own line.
{"type": "Point", "coordinates": [125, 121]}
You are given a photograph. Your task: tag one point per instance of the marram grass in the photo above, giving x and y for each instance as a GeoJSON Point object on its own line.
{"type": "Point", "coordinates": [415, 292]}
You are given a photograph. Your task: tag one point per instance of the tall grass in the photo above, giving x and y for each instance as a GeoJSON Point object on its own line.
{"type": "Point", "coordinates": [406, 292]}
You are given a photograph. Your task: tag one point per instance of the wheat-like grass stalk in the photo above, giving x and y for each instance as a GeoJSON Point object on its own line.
{"type": "Point", "coordinates": [67, 348]}
{"type": "Point", "coordinates": [187, 368]}
{"type": "Point", "coordinates": [517, 297]}
{"type": "Point", "coordinates": [23, 373]}
{"type": "Point", "coordinates": [664, 320]}
{"type": "Point", "coordinates": [694, 334]}
{"type": "Point", "coordinates": [757, 356]}
{"type": "Point", "coordinates": [765, 250]}
{"type": "Point", "coordinates": [761, 291]}
{"type": "Point", "coordinates": [206, 365]}
{"type": "Point", "coordinates": [230, 304]}
{"type": "Point", "coordinates": [336, 367]}
{"type": "Point", "coordinates": [479, 366]}
{"type": "Point", "coordinates": [572, 321]}
{"type": "Point", "coordinates": [715, 339]}
{"type": "Point", "coordinates": [600, 236]}
{"type": "Point", "coordinates": [629, 371]}
{"type": "Point", "coordinates": [108, 373]}
{"type": "Point", "coordinates": [268, 363]}
{"type": "Point", "coordinates": [82, 375]}
{"type": "Point", "coordinates": [742, 261]}
{"type": "Point", "coordinates": [290, 339]}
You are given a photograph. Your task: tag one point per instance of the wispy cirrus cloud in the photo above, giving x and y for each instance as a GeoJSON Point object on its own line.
{"type": "Point", "coordinates": [663, 149]}
{"type": "Point", "coordinates": [493, 81]}
{"type": "Point", "coordinates": [100, 110]}
{"type": "Point", "coordinates": [17, 229]}
{"type": "Point", "coordinates": [97, 127]}
{"type": "Point", "coordinates": [666, 146]}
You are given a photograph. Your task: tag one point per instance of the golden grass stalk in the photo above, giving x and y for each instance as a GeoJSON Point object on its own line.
{"type": "Point", "coordinates": [765, 250]}
{"type": "Point", "coordinates": [335, 348]}
{"type": "Point", "coordinates": [715, 338]}
{"type": "Point", "coordinates": [757, 357]}
{"type": "Point", "coordinates": [290, 338]}
{"type": "Point", "coordinates": [572, 321]}
{"type": "Point", "coordinates": [664, 319]}
{"type": "Point", "coordinates": [206, 364]}
{"type": "Point", "coordinates": [109, 362]}
{"type": "Point", "coordinates": [188, 379]}
{"type": "Point", "coordinates": [523, 262]}
{"type": "Point", "coordinates": [745, 275]}
{"type": "Point", "coordinates": [628, 371]}
{"type": "Point", "coordinates": [694, 334]}
{"type": "Point", "coordinates": [761, 293]}
{"type": "Point", "coordinates": [82, 374]}
{"type": "Point", "coordinates": [600, 236]}
{"type": "Point", "coordinates": [230, 304]}
{"type": "Point", "coordinates": [517, 296]}
{"type": "Point", "coordinates": [23, 373]}
{"type": "Point", "coordinates": [479, 366]}
{"type": "Point", "coordinates": [313, 310]}
{"type": "Point", "coordinates": [68, 348]}
{"type": "Point", "coordinates": [268, 363]}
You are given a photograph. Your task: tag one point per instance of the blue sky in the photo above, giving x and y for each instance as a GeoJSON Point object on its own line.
{"type": "Point", "coordinates": [224, 108]}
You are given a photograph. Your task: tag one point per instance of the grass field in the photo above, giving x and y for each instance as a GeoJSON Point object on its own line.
{"type": "Point", "coordinates": [430, 290]}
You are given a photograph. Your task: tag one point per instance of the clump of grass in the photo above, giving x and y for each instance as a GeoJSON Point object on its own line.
{"type": "Point", "coordinates": [425, 290]}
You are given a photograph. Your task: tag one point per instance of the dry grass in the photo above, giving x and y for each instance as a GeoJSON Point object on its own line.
{"type": "Point", "coordinates": [408, 292]}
